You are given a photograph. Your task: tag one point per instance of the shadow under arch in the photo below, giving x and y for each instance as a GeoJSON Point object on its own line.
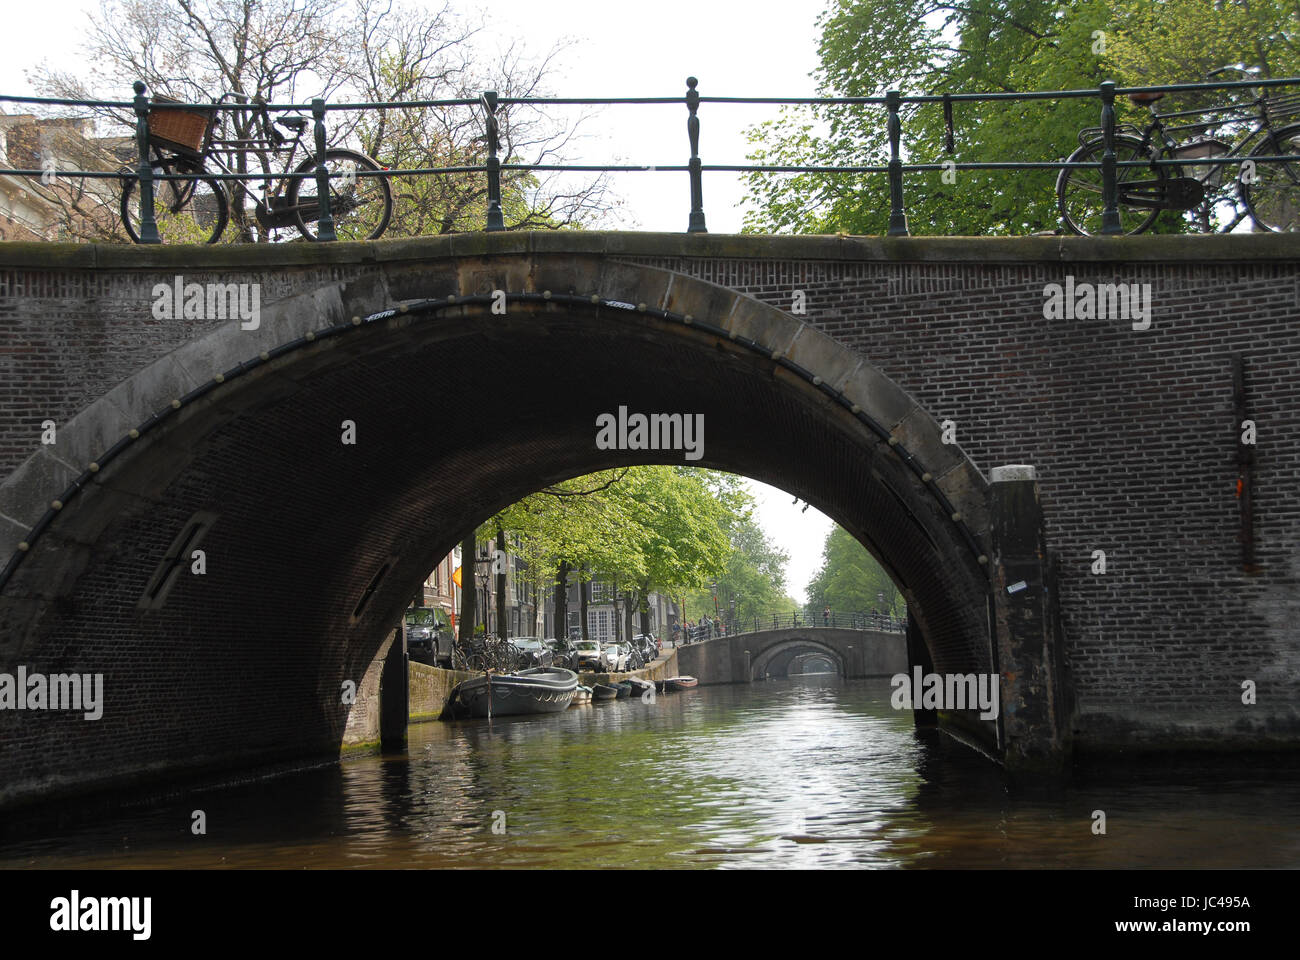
{"type": "Point", "coordinates": [787, 650]}
{"type": "Point", "coordinates": [458, 411]}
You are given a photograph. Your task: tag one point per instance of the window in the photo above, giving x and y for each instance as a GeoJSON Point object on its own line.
{"type": "Point", "coordinates": [598, 625]}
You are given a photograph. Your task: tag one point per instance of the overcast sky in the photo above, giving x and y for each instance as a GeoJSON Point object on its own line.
{"type": "Point", "coordinates": [750, 48]}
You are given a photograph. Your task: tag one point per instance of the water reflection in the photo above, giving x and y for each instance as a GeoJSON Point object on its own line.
{"type": "Point", "coordinates": [807, 772]}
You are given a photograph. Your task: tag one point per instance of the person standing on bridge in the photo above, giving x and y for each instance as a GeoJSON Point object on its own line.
{"type": "Point", "coordinates": [826, 617]}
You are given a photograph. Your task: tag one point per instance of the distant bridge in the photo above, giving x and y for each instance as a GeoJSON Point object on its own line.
{"type": "Point", "coordinates": [777, 621]}
{"type": "Point", "coordinates": [764, 654]}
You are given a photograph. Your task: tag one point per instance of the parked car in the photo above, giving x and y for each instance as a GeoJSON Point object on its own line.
{"type": "Point", "coordinates": [649, 646]}
{"type": "Point", "coordinates": [564, 653]}
{"type": "Point", "coordinates": [429, 636]}
{"type": "Point", "coordinates": [531, 652]}
{"type": "Point", "coordinates": [636, 658]}
{"type": "Point", "coordinates": [589, 655]}
{"type": "Point", "coordinates": [615, 657]}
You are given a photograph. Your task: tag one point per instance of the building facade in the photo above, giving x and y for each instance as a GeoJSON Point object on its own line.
{"type": "Point", "coordinates": [55, 205]}
{"type": "Point", "coordinates": [440, 590]}
{"type": "Point", "coordinates": [607, 613]}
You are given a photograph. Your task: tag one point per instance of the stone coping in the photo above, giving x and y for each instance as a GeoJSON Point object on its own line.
{"type": "Point", "coordinates": [1227, 248]}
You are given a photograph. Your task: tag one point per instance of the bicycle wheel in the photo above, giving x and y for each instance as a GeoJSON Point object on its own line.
{"type": "Point", "coordinates": [361, 206]}
{"type": "Point", "coordinates": [186, 211]}
{"type": "Point", "coordinates": [1079, 196]}
{"type": "Point", "coordinates": [1274, 198]}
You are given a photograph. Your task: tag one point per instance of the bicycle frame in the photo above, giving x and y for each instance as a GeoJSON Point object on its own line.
{"type": "Point", "coordinates": [1173, 193]}
{"type": "Point", "coordinates": [227, 154]}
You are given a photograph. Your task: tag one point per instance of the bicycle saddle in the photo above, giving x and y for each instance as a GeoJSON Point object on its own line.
{"type": "Point", "coordinates": [293, 123]}
{"type": "Point", "coordinates": [1140, 98]}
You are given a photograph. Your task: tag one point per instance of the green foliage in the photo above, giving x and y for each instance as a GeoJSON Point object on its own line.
{"type": "Point", "coordinates": [1176, 41]}
{"type": "Point", "coordinates": [985, 46]}
{"type": "Point", "coordinates": [754, 577]}
{"type": "Point", "coordinates": [850, 580]}
{"type": "Point", "coordinates": [671, 529]}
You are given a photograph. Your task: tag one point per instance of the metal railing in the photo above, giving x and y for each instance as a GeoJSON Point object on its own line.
{"type": "Point", "coordinates": [730, 627]}
{"type": "Point", "coordinates": [492, 166]}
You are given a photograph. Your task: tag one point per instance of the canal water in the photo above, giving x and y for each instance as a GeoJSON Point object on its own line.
{"type": "Point", "coordinates": [807, 772]}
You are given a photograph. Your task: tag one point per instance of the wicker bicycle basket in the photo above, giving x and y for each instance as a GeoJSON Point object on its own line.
{"type": "Point", "coordinates": [180, 130]}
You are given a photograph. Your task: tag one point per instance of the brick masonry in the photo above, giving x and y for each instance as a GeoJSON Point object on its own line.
{"type": "Point", "coordinates": [1133, 437]}
{"type": "Point", "coordinates": [1132, 434]}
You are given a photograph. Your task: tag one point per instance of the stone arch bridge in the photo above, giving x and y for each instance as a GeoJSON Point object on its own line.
{"type": "Point", "coordinates": [760, 654]}
{"type": "Point", "coordinates": [155, 402]}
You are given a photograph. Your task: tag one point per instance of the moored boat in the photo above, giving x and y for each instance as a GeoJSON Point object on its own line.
{"type": "Point", "coordinates": [535, 690]}
{"type": "Point", "coordinates": [603, 691]}
{"type": "Point", "coordinates": [639, 686]}
{"type": "Point", "coordinates": [680, 683]}
{"type": "Point", "coordinates": [581, 696]}
{"type": "Point", "coordinates": [624, 689]}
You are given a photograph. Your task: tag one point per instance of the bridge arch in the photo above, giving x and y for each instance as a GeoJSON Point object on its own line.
{"type": "Point", "coordinates": [314, 546]}
{"type": "Point", "coordinates": [802, 661]}
{"type": "Point", "coordinates": [789, 649]}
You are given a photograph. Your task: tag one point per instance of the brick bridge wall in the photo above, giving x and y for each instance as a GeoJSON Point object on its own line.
{"type": "Point", "coordinates": [1133, 436]}
{"type": "Point", "coordinates": [1132, 433]}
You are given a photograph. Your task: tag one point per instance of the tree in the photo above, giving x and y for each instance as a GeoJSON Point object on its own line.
{"type": "Point", "coordinates": [850, 580]}
{"type": "Point", "coordinates": [930, 46]}
{"type": "Point", "coordinates": [647, 528]}
{"type": "Point", "coordinates": [920, 46]}
{"type": "Point", "coordinates": [417, 62]}
{"type": "Point", "coordinates": [468, 597]}
{"type": "Point", "coordinates": [688, 515]}
{"type": "Point", "coordinates": [569, 525]}
{"type": "Point", "coordinates": [359, 50]}
{"type": "Point", "coordinates": [1175, 41]}
{"type": "Point", "coordinates": [754, 577]}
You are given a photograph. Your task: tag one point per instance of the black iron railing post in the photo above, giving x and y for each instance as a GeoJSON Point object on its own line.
{"type": "Point", "coordinates": [696, 224]}
{"type": "Point", "coordinates": [1109, 186]}
{"type": "Point", "coordinates": [495, 219]}
{"type": "Point", "coordinates": [897, 218]}
{"type": "Point", "coordinates": [325, 220]}
{"type": "Point", "coordinates": [144, 170]}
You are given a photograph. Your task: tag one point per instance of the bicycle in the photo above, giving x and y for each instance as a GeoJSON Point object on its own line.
{"type": "Point", "coordinates": [1269, 195]}
{"type": "Point", "coordinates": [196, 209]}
{"type": "Point", "coordinates": [483, 653]}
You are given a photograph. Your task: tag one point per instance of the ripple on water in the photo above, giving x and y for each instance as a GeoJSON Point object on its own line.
{"type": "Point", "coordinates": [813, 772]}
